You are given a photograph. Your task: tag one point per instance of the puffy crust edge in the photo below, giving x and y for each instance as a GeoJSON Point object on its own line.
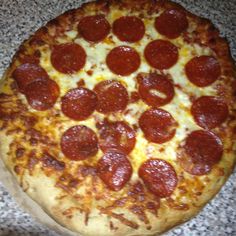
{"type": "Point", "coordinates": [209, 37]}
{"type": "Point", "coordinates": [54, 209]}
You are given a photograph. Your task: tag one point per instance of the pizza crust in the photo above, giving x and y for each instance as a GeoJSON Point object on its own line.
{"type": "Point", "coordinates": [37, 192]}
{"type": "Point", "coordinates": [33, 187]}
{"type": "Point", "coordinates": [60, 209]}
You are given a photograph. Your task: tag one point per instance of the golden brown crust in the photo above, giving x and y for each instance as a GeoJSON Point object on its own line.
{"type": "Point", "coordinates": [77, 193]}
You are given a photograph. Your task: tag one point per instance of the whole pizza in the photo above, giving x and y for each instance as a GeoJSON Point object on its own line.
{"type": "Point", "coordinates": [119, 117]}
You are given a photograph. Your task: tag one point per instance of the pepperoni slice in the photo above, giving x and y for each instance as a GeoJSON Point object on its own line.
{"type": "Point", "coordinates": [203, 70]}
{"type": "Point", "coordinates": [79, 142]}
{"type": "Point", "coordinates": [115, 170]}
{"type": "Point", "coordinates": [159, 177]}
{"type": "Point", "coordinates": [202, 150]}
{"type": "Point", "coordinates": [158, 125]}
{"type": "Point", "coordinates": [129, 28]}
{"type": "Point", "coordinates": [155, 90]}
{"type": "Point", "coordinates": [171, 23]}
{"type": "Point", "coordinates": [42, 94]}
{"type": "Point", "coordinates": [209, 112]}
{"type": "Point", "coordinates": [123, 60]}
{"type": "Point", "coordinates": [112, 96]}
{"type": "Point", "coordinates": [117, 136]}
{"type": "Point", "coordinates": [33, 59]}
{"type": "Point", "coordinates": [79, 103]}
{"type": "Point", "coordinates": [27, 73]}
{"type": "Point", "coordinates": [68, 58]}
{"type": "Point", "coordinates": [161, 54]}
{"type": "Point", "coordinates": [94, 28]}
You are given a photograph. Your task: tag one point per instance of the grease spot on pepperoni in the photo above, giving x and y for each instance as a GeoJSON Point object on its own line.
{"type": "Point", "coordinates": [68, 58]}
{"type": "Point", "coordinates": [161, 54]}
{"type": "Point", "coordinates": [159, 177]}
{"type": "Point", "coordinates": [157, 125]}
{"type": "Point", "coordinates": [154, 89]}
{"type": "Point", "coordinates": [171, 23]}
{"type": "Point", "coordinates": [94, 28]}
{"type": "Point", "coordinates": [118, 136]}
{"type": "Point", "coordinates": [112, 96]}
{"type": "Point", "coordinates": [209, 112]}
{"type": "Point", "coordinates": [203, 70]}
{"type": "Point", "coordinates": [79, 103]}
{"type": "Point", "coordinates": [201, 150]}
{"type": "Point", "coordinates": [79, 142]}
{"type": "Point", "coordinates": [27, 73]}
{"type": "Point", "coordinates": [123, 60]}
{"type": "Point", "coordinates": [129, 28]}
{"type": "Point", "coordinates": [42, 94]}
{"type": "Point", "coordinates": [115, 170]}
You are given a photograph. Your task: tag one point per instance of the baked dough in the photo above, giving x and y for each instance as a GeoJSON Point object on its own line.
{"type": "Point", "coordinates": [72, 191]}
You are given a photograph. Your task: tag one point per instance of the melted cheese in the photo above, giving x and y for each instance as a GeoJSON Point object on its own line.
{"type": "Point", "coordinates": [96, 70]}
{"type": "Point", "coordinates": [96, 57]}
{"type": "Point", "coordinates": [53, 125]}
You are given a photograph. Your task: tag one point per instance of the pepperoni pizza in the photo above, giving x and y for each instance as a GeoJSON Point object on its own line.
{"type": "Point", "coordinates": [118, 118]}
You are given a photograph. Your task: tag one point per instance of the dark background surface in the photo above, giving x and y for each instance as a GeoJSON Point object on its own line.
{"type": "Point", "coordinates": [19, 19]}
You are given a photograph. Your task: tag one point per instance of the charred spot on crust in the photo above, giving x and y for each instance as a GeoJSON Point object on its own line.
{"type": "Point", "coordinates": [51, 162]}
{"type": "Point", "coordinates": [20, 152]}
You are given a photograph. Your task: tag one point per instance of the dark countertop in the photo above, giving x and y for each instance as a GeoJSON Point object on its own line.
{"type": "Point", "coordinates": [19, 19]}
